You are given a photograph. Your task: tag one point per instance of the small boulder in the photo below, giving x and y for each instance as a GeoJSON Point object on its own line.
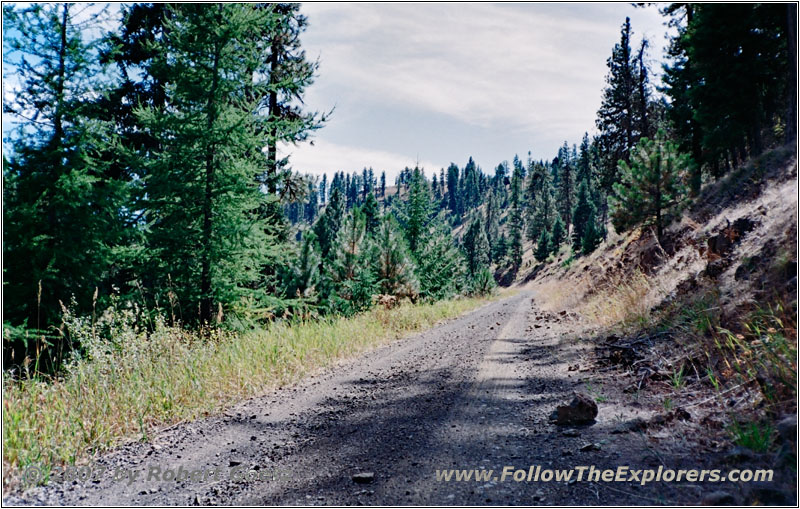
{"type": "Point", "coordinates": [363, 477]}
{"type": "Point", "coordinates": [581, 410]}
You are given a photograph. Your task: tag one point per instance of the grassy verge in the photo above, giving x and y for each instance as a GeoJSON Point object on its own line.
{"type": "Point", "coordinates": [131, 382]}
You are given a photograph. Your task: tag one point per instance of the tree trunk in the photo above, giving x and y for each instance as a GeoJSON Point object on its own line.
{"type": "Point", "coordinates": [791, 110]}
{"type": "Point", "coordinates": [643, 89]}
{"type": "Point", "coordinates": [272, 142]}
{"type": "Point", "coordinates": [207, 304]}
{"type": "Point", "coordinates": [58, 132]}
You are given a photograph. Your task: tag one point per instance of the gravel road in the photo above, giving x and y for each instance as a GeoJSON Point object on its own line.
{"type": "Point", "coordinates": [472, 393]}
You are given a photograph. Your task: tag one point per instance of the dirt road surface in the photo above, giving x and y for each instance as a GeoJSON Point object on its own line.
{"type": "Point", "coordinates": [472, 393]}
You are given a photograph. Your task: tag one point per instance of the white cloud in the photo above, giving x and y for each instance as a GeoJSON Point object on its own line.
{"type": "Point", "coordinates": [522, 67]}
{"type": "Point", "coordinates": [326, 157]}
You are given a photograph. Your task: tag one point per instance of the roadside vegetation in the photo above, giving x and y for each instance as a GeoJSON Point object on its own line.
{"type": "Point", "coordinates": [127, 382]}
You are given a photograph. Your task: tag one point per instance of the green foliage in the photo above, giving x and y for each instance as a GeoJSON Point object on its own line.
{"type": "Point", "coordinates": [476, 247]}
{"type": "Point", "coordinates": [482, 283]}
{"type": "Point", "coordinates": [418, 209]}
{"type": "Point", "coordinates": [557, 236]}
{"type": "Point", "coordinates": [492, 222]}
{"type": "Point", "coordinates": [351, 271]}
{"type": "Point", "coordinates": [542, 250]}
{"type": "Point", "coordinates": [391, 261]}
{"type": "Point", "coordinates": [372, 213]}
{"type": "Point", "coordinates": [205, 190]}
{"type": "Point", "coordinates": [440, 265]}
{"type": "Point", "coordinates": [62, 211]}
{"type": "Point", "coordinates": [566, 187]}
{"type": "Point", "coordinates": [754, 435]}
{"type": "Point", "coordinates": [592, 237]}
{"type": "Point", "coordinates": [586, 235]}
{"type": "Point", "coordinates": [732, 79]}
{"type": "Point", "coordinates": [516, 222]}
{"type": "Point", "coordinates": [651, 188]}
{"type": "Point", "coordinates": [500, 249]}
{"type": "Point", "coordinates": [543, 212]}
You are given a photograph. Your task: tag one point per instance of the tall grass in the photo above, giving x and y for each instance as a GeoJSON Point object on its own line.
{"type": "Point", "coordinates": [127, 382]}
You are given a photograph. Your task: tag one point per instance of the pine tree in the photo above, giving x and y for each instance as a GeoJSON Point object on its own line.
{"type": "Point", "coordinates": [418, 209]}
{"type": "Point", "coordinates": [304, 273]}
{"type": "Point", "coordinates": [476, 246]}
{"type": "Point", "coordinates": [208, 54]}
{"type": "Point", "coordinates": [312, 202]}
{"type": "Point", "coordinates": [452, 189]}
{"type": "Point", "coordinates": [651, 187]}
{"type": "Point", "coordinates": [583, 171]}
{"type": "Point", "coordinates": [492, 220]}
{"type": "Point", "coordinates": [616, 118]}
{"type": "Point", "coordinates": [543, 212]}
{"type": "Point", "coordinates": [471, 186]}
{"type": "Point", "coordinates": [591, 238]}
{"type": "Point", "coordinates": [558, 234]}
{"type": "Point", "coordinates": [731, 78]}
{"type": "Point", "coordinates": [566, 187]}
{"type": "Point", "coordinates": [327, 227]}
{"type": "Point", "coordinates": [383, 184]}
{"type": "Point", "coordinates": [440, 263]}
{"type": "Point", "coordinates": [392, 265]}
{"type": "Point", "coordinates": [584, 214]}
{"type": "Point", "coordinates": [63, 212]}
{"type": "Point", "coordinates": [372, 213]}
{"type": "Point", "coordinates": [516, 222]}
{"type": "Point", "coordinates": [351, 271]}
{"type": "Point", "coordinates": [542, 247]}
{"type": "Point", "coordinates": [288, 75]}
{"type": "Point", "coordinates": [500, 249]}
{"type": "Point", "coordinates": [323, 189]}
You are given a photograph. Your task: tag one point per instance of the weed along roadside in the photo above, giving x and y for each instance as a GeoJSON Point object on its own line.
{"type": "Point", "coordinates": [170, 376]}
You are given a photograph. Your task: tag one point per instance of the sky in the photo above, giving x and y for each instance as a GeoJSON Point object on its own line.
{"type": "Point", "coordinates": [437, 83]}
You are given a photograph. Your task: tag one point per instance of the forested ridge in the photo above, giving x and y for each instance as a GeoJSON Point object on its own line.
{"type": "Point", "coordinates": [144, 172]}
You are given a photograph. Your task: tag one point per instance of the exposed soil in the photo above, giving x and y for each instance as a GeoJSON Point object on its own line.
{"type": "Point", "coordinates": [474, 392]}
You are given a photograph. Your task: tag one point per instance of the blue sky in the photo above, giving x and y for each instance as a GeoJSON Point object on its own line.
{"type": "Point", "coordinates": [442, 82]}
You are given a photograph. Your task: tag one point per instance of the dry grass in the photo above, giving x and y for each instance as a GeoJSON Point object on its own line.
{"type": "Point", "coordinates": [129, 382]}
{"type": "Point", "coordinates": [622, 300]}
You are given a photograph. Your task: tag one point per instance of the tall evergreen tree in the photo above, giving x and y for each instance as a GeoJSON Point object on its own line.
{"type": "Point", "coordinates": [492, 220]}
{"type": "Point", "coordinates": [476, 246]}
{"type": "Point", "coordinates": [616, 118]}
{"type": "Point", "coordinates": [565, 193]}
{"type": "Point", "coordinates": [418, 209]}
{"type": "Point", "coordinates": [453, 197]}
{"type": "Point", "coordinates": [516, 222]}
{"type": "Point", "coordinates": [201, 193]}
{"type": "Point", "coordinates": [729, 79]}
{"type": "Point", "coordinates": [542, 250]}
{"type": "Point", "coordinates": [289, 73]}
{"type": "Point", "coordinates": [63, 211]}
{"type": "Point", "coordinates": [372, 213]}
{"type": "Point", "coordinates": [583, 215]}
{"type": "Point", "coordinates": [323, 189]}
{"type": "Point", "coordinates": [543, 212]}
{"type": "Point", "coordinates": [558, 235]}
